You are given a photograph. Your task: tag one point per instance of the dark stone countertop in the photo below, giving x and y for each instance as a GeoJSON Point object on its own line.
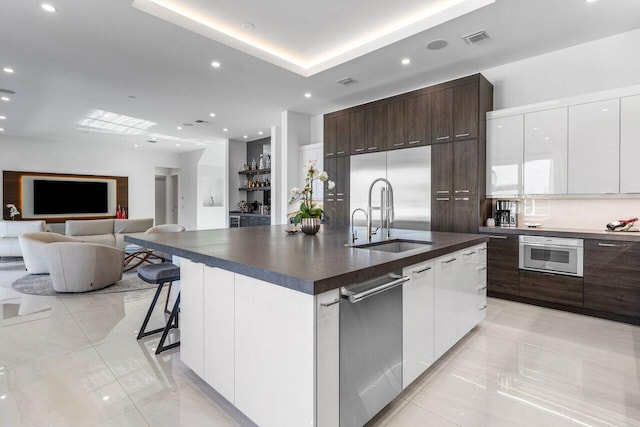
{"type": "Point", "coordinates": [565, 232]}
{"type": "Point", "coordinates": [310, 264]}
{"type": "Point", "coordinates": [238, 213]}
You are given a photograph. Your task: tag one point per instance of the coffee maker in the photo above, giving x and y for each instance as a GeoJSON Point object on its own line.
{"type": "Point", "coordinates": [506, 213]}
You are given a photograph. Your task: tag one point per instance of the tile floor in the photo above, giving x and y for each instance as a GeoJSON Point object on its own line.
{"type": "Point", "coordinates": [74, 361]}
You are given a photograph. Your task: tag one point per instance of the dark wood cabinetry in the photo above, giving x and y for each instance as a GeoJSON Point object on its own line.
{"type": "Point", "coordinates": [442, 116]}
{"type": "Point", "coordinates": [450, 116]}
{"type": "Point", "coordinates": [502, 265]}
{"type": "Point", "coordinates": [566, 290]}
{"type": "Point", "coordinates": [465, 111]}
{"type": "Point", "coordinates": [358, 134]}
{"type": "Point", "coordinates": [375, 128]}
{"type": "Point", "coordinates": [336, 201]}
{"type": "Point", "coordinates": [612, 277]}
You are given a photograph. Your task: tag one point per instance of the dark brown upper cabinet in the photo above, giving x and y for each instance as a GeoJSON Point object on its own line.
{"type": "Point", "coordinates": [396, 125]}
{"type": "Point", "coordinates": [343, 135]}
{"type": "Point", "coordinates": [330, 135]}
{"type": "Point", "coordinates": [419, 120]}
{"type": "Point", "coordinates": [375, 128]}
{"type": "Point", "coordinates": [358, 134]}
{"type": "Point", "coordinates": [442, 116]}
{"type": "Point", "coordinates": [465, 167]}
{"type": "Point", "coordinates": [465, 111]}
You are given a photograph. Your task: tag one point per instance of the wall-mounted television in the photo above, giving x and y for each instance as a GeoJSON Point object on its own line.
{"type": "Point", "coordinates": [51, 197]}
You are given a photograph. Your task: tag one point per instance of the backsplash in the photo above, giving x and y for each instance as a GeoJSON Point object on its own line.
{"type": "Point", "coordinates": [586, 214]}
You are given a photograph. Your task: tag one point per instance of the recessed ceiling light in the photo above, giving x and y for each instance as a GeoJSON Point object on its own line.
{"type": "Point", "coordinates": [225, 129]}
{"type": "Point", "coordinates": [437, 44]}
{"type": "Point", "coordinates": [590, 1]}
{"type": "Point", "coordinates": [8, 70]}
{"type": "Point", "coordinates": [1, 129]}
{"type": "Point", "coordinates": [406, 61]}
{"type": "Point", "coordinates": [260, 133]}
{"type": "Point", "coordinates": [3, 117]}
{"type": "Point", "coordinates": [177, 145]}
{"type": "Point", "coordinates": [307, 95]}
{"type": "Point", "coordinates": [215, 64]}
{"type": "Point", "coordinates": [179, 128]}
{"type": "Point", "coordinates": [605, 109]}
{"type": "Point", "coordinates": [212, 114]}
{"type": "Point", "coordinates": [246, 136]}
{"type": "Point", "coordinates": [5, 98]}
{"type": "Point", "coordinates": [135, 145]}
{"type": "Point", "coordinates": [48, 7]}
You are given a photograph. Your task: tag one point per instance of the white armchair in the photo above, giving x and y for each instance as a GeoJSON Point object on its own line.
{"type": "Point", "coordinates": [82, 267]}
{"type": "Point", "coordinates": [32, 246]}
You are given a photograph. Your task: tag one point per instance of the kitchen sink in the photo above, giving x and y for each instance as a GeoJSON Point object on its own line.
{"type": "Point", "coordinates": [395, 246]}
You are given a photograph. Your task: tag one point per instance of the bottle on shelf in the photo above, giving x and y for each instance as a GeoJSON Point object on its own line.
{"type": "Point", "coordinates": [253, 164]}
{"type": "Point", "coordinates": [261, 162]}
{"type": "Point", "coordinates": [268, 161]}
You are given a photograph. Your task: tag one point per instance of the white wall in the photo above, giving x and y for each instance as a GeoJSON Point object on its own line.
{"type": "Point", "coordinates": [139, 165]}
{"type": "Point", "coordinates": [213, 181]}
{"type": "Point", "coordinates": [603, 64]}
{"type": "Point", "coordinates": [317, 129]}
{"type": "Point", "coordinates": [187, 206]}
{"type": "Point", "coordinates": [296, 131]}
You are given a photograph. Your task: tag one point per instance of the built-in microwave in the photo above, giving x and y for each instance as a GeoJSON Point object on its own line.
{"type": "Point", "coordinates": [552, 255]}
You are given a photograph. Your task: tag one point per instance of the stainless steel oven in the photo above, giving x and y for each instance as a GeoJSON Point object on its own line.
{"type": "Point", "coordinates": [552, 255]}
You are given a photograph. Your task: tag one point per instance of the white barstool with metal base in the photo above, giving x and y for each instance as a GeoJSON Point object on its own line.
{"type": "Point", "coordinates": [160, 274]}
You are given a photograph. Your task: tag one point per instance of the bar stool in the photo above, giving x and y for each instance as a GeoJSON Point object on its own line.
{"type": "Point", "coordinates": [234, 221]}
{"type": "Point", "coordinates": [160, 274]}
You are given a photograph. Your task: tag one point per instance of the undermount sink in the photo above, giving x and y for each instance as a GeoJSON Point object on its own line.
{"type": "Point", "coordinates": [395, 246]}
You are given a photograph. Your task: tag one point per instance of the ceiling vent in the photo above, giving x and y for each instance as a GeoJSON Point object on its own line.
{"type": "Point", "coordinates": [476, 37]}
{"type": "Point", "coordinates": [347, 81]}
{"type": "Point", "coordinates": [7, 91]}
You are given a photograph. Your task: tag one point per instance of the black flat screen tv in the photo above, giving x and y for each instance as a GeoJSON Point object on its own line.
{"type": "Point", "coordinates": [70, 197]}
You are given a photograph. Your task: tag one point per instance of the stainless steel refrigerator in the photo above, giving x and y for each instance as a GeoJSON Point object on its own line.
{"type": "Point", "coordinates": [408, 171]}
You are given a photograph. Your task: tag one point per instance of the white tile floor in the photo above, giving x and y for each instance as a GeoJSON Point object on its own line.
{"type": "Point", "coordinates": [74, 360]}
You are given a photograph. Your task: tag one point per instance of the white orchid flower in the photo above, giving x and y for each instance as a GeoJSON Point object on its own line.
{"type": "Point", "coordinates": [331, 185]}
{"type": "Point", "coordinates": [324, 176]}
{"type": "Point", "coordinates": [295, 190]}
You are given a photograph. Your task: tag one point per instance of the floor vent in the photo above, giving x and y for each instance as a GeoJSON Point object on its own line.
{"type": "Point", "coordinates": [476, 37]}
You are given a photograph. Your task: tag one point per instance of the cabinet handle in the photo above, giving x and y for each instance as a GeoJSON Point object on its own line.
{"type": "Point", "coordinates": [469, 253]}
{"type": "Point", "coordinates": [329, 304]}
{"type": "Point", "coordinates": [462, 134]}
{"type": "Point", "coordinates": [442, 199]}
{"type": "Point", "coordinates": [462, 191]}
{"type": "Point", "coordinates": [421, 271]}
{"type": "Point", "coordinates": [339, 200]}
{"type": "Point", "coordinates": [359, 150]}
{"type": "Point", "coordinates": [448, 261]}
{"type": "Point", "coordinates": [329, 154]}
{"type": "Point", "coordinates": [330, 200]}
{"type": "Point", "coordinates": [442, 192]}
{"type": "Point", "coordinates": [330, 194]}
{"type": "Point", "coordinates": [481, 287]}
{"type": "Point", "coordinates": [372, 148]}
{"type": "Point", "coordinates": [498, 237]}
{"type": "Point", "coordinates": [341, 194]}
{"type": "Point", "coordinates": [611, 245]}
{"type": "Point", "coordinates": [414, 142]}
{"type": "Point", "coordinates": [463, 199]}
{"type": "Point", "coordinates": [442, 138]}
{"type": "Point", "coordinates": [398, 144]}
{"type": "Point", "coordinates": [482, 249]}
{"type": "Point", "coordinates": [484, 307]}
{"type": "Point", "coordinates": [482, 268]}
{"type": "Point", "coordinates": [340, 152]}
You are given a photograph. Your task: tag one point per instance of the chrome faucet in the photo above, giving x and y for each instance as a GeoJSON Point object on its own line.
{"type": "Point", "coordinates": [354, 234]}
{"type": "Point", "coordinates": [386, 207]}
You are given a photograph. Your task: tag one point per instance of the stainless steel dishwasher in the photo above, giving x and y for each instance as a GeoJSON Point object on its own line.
{"type": "Point", "coordinates": [370, 347]}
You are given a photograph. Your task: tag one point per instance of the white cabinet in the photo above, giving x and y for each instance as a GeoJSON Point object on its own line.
{"type": "Point", "coordinates": [630, 144]}
{"type": "Point", "coordinates": [417, 321]}
{"type": "Point", "coordinates": [328, 358]}
{"type": "Point", "coordinates": [545, 152]}
{"type": "Point", "coordinates": [504, 156]}
{"type": "Point", "coordinates": [274, 353]}
{"type": "Point", "coordinates": [447, 269]}
{"type": "Point", "coordinates": [192, 315]}
{"type": "Point", "coordinates": [594, 147]}
{"type": "Point", "coordinates": [219, 331]}
{"type": "Point", "coordinates": [472, 297]}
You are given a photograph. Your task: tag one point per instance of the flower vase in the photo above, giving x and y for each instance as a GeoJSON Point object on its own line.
{"type": "Point", "coordinates": [310, 225]}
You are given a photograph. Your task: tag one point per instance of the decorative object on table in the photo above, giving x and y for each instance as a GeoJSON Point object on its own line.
{"type": "Point", "coordinates": [623, 225]}
{"type": "Point", "coordinates": [491, 222]}
{"type": "Point", "coordinates": [121, 213]}
{"type": "Point", "coordinates": [242, 206]}
{"type": "Point", "coordinates": [13, 211]}
{"type": "Point", "coordinates": [308, 213]}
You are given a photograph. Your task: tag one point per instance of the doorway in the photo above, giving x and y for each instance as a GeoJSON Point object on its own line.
{"type": "Point", "coordinates": [166, 196]}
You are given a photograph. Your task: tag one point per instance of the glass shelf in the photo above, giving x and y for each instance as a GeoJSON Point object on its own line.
{"type": "Point", "coordinates": [254, 188]}
{"type": "Point", "coordinates": [255, 172]}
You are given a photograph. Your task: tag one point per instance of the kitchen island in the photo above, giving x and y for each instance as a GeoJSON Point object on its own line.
{"type": "Point", "coordinates": [260, 310]}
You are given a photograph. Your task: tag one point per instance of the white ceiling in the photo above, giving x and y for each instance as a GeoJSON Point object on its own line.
{"type": "Point", "coordinates": [88, 58]}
